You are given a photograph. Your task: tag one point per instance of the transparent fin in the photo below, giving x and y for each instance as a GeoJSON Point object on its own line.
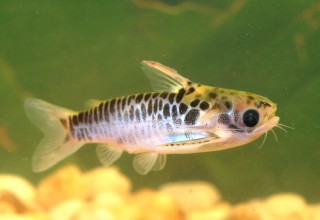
{"type": "Point", "coordinates": [160, 162]}
{"type": "Point", "coordinates": [145, 162]}
{"type": "Point", "coordinates": [55, 145]}
{"type": "Point", "coordinates": [163, 78]}
{"type": "Point", "coordinates": [107, 155]}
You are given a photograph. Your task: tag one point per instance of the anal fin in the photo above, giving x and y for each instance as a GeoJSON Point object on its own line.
{"type": "Point", "coordinates": [107, 155]}
{"type": "Point", "coordinates": [145, 162]}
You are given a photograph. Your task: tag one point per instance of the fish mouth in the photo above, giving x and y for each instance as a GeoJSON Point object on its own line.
{"type": "Point", "coordinates": [271, 123]}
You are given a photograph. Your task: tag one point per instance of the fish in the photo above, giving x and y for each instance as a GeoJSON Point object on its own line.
{"type": "Point", "coordinates": [179, 117]}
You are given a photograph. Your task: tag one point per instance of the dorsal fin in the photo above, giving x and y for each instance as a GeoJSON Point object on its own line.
{"type": "Point", "coordinates": [163, 78]}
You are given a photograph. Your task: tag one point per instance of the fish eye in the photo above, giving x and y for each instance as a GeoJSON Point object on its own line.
{"type": "Point", "coordinates": [251, 118]}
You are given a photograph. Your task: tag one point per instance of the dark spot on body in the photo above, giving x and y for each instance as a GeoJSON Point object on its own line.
{"type": "Point", "coordinates": [90, 116]}
{"type": "Point", "coordinates": [236, 115]}
{"type": "Point", "coordinates": [123, 103]}
{"type": "Point", "coordinates": [96, 115]}
{"type": "Point", "coordinates": [192, 117]}
{"type": "Point", "coordinates": [160, 104]}
{"type": "Point", "coordinates": [213, 95]}
{"type": "Point", "coordinates": [250, 97]}
{"type": "Point", "coordinates": [182, 108]}
{"type": "Point", "coordinates": [112, 106]}
{"type": "Point", "coordinates": [174, 111]}
{"type": "Point", "coordinates": [189, 83]}
{"type": "Point", "coordinates": [180, 95]}
{"type": "Point", "coordinates": [155, 106]}
{"type": "Point", "coordinates": [228, 105]}
{"type": "Point", "coordinates": [164, 95]}
{"type": "Point", "coordinates": [262, 104]}
{"type": "Point", "coordinates": [129, 99]}
{"type": "Point", "coordinates": [118, 105]}
{"type": "Point", "coordinates": [86, 117]}
{"type": "Point", "coordinates": [194, 103]}
{"type": "Point", "coordinates": [81, 117]}
{"type": "Point", "coordinates": [150, 107]}
{"type": "Point", "coordinates": [216, 106]}
{"type": "Point", "coordinates": [100, 110]}
{"type": "Point", "coordinates": [166, 110]}
{"type": "Point", "coordinates": [224, 119]}
{"type": "Point", "coordinates": [75, 120]}
{"type": "Point", "coordinates": [159, 117]}
{"type": "Point", "coordinates": [154, 95]}
{"type": "Point", "coordinates": [139, 98]}
{"type": "Point", "coordinates": [191, 90]}
{"type": "Point", "coordinates": [131, 113]}
{"type": "Point", "coordinates": [143, 111]}
{"type": "Point", "coordinates": [204, 106]}
{"type": "Point", "coordinates": [171, 98]}
{"type": "Point", "coordinates": [119, 109]}
{"type": "Point", "coordinates": [147, 96]}
{"type": "Point", "coordinates": [106, 111]}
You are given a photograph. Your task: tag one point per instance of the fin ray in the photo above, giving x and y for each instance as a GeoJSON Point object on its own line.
{"type": "Point", "coordinates": [162, 78]}
{"type": "Point", "coordinates": [54, 146]}
{"type": "Point", "coordinates": [145, 162]}
{"type": "Point", "coordinates": [160, 162]}
{"type": "Point", "coordinates": [108, 155]}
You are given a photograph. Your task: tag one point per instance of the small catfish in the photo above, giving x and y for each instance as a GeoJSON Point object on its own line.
{"type": "Point", "coordinates": [180, 117]}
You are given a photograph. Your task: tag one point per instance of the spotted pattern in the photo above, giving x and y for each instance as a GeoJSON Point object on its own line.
{"type": "Point", "coordinates": [195, 103]}
{"type": "Point", "coordinates": [183, 108]}
{"type": "Point", "coordinates": [204, 106]}
{"type": "Point", "coordinates": [192, 117]}
{"type": "Point", "coordinates": [213, 95]}
{"type": "Point", "coordinates": [224, 119]}
{"type": "Point", "coordinates": [160, 111]}
{"type": "Point", "coordinates": [191, 90]}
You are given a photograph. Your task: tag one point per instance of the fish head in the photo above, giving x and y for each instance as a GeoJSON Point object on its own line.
{"type": "Point", "coordinates": [243, 117]}
{"type": "Point", "coordinates": [254, 114]}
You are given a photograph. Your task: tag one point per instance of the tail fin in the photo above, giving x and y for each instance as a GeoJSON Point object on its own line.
{"type": "Point", "coordinates": [55, 145]}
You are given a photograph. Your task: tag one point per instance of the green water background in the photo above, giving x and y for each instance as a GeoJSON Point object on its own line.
{"type": "Point", "coordinates": [67, 52]}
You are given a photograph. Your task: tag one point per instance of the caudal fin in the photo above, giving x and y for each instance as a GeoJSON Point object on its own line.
{"type": "Point", "coordinates": [55, 145]}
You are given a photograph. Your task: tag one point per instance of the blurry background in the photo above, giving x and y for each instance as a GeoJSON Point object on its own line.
{"type": "Point", "coordinates": [68, 52]}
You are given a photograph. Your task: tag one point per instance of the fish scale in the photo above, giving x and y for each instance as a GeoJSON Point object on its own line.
{"type": "Point", "coordinates": [179, 117]}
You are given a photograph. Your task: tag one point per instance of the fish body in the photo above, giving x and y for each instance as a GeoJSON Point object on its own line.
{"type": "Point", "coordinates": [180, 117]}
